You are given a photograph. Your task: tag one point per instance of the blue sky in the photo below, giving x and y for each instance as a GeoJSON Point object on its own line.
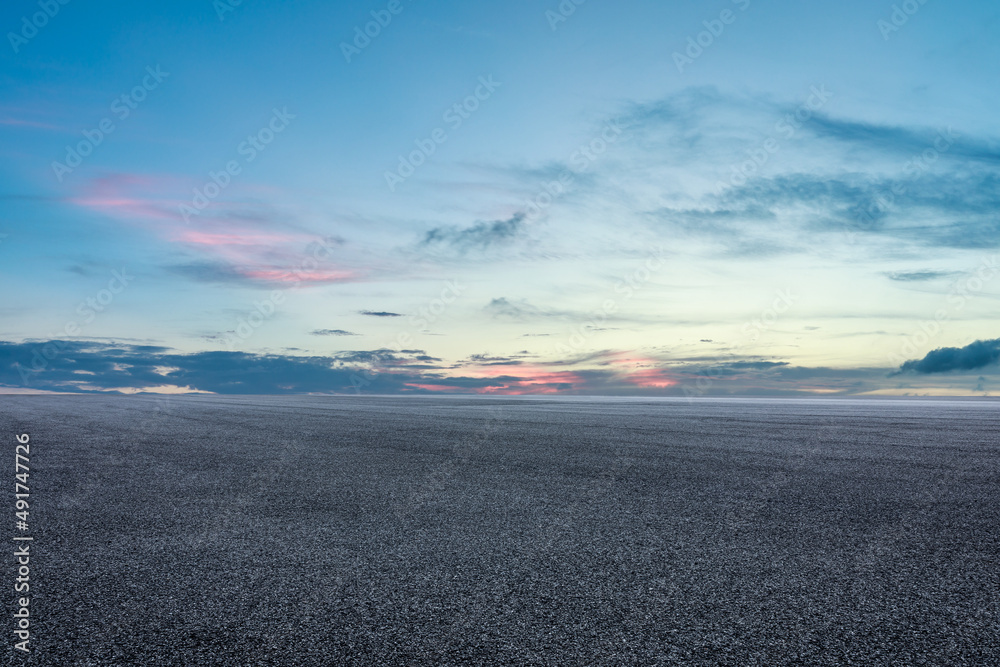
{"type": "Point", "coordinates": [687, 198]}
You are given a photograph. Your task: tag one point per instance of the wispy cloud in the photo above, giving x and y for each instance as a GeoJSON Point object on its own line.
{"type": "Point", "coordinates": [917, 276]}
{"type": "Point", "coordinates": [379, 313]}
{"type": "Point", "coordinates": [904, 141]}
{"type": "Point", "coordinates": [519, 309]}
{"type": "Point", "coordinates": [240, 244]}
{"type": "Point", "coordinates": [702, 152]}
{"type": "Point", "coordinates": [480, 236]}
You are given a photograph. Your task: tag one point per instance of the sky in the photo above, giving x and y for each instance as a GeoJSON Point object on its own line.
{"type": "Point", "coordinates": [737, 197]}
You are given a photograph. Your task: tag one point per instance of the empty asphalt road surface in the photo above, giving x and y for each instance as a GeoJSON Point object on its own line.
{"type": "Point", "coordinates": [428, 531]}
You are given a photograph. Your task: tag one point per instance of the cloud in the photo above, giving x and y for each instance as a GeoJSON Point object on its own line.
{"type": "Point", "coordinates": [520, 309]}
{"type": "Point", "coordinates": [87, 367]}
{"type": "Point", "coordinates": [116, 366]}
{"type": "Point", "coordinates": [274, 276]}
{"type": "Point", "coordinates": [696, 117]}
{"type": "Point", "coordinates": [951, 209]}
{"type": "Point", "coordinates": [495, 360]}
{"type": "Point", "coordinates": [378, 313]}
{"type": "Point", "coordinates": [229, 242]}
{"type": "Point", "coordinates": [331, 332]}
{"type": "Point", "coordinates": [973, 356]}
{"type": "Point", "coordinates": [903, 140]}
{"type": "Point", "coordinates": [926, 186]}
{"type": "Point", "coordinates": [94, 366]}
{"type": "Point", "coordinates": [917, 276]}
{"type": "Point", "coordinates": [478, 237]}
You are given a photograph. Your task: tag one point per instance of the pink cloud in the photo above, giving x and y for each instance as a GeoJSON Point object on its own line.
{"type": "Point", "coordinates": [521, 380]}
{"type": "Point", "coordinates": [196, 237]}
{"type": "Point", "coordinates": [651, 378]}
{"type": "Point", "coordinates": [234, 237]}
{"type": "Point", "coordinates": [640, 371]}
{"type": "Point", "coordinates": [133, 198]}
{"type": "Point", "coordinates": [621, 370]}
{"type": "Point", "coordinates": [132, 210]}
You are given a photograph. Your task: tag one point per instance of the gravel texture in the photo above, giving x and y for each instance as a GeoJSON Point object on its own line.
{"type": "Point", "coordinates": [427, 531]}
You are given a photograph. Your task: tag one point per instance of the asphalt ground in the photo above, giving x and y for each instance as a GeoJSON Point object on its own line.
{"type": "Point", "coordinates": [428, 531]}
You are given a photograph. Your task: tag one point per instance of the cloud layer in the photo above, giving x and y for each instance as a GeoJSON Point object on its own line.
{"type": "Point", "coordinates": [102, 366]}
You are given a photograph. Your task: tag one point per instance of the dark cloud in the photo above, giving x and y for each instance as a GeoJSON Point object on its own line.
{"type": "Point", "coordinates": [376, 357]}
{"type": "Point", "coordinates": [478, 237]}
{"type": "Point", "coordinates": [495, 360]}
{"type": "Point", "coordinates": [331, 332]}
{"type": "Point", "coordinates": [427, 357]}
{"type": "Point", "coordinates": [378, 313]}
{"type": "Point", "coordinates": [487, 358]}
{"type": "Point", "coordinates": [92, 366]}
{"type": "Point", "coordinates": [973, 356]}
{"type": "Point", "coordinates": [916, 276]}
